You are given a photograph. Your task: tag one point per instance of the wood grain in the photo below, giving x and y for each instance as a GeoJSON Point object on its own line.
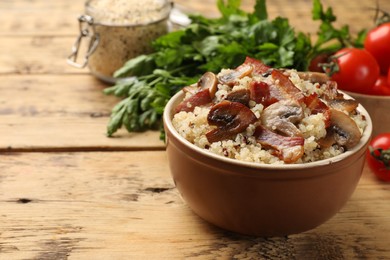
{"type": "Point", "coordinates": [37, 55]}
{"type": "Point", "coordinates": [123, 205]}
{"type": "Point", "coordinates": [27, 18]}
{"type": "Point", "coordinates": [62, 113]}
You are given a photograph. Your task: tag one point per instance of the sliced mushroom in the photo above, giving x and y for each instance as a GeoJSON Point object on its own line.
{"type": "Point", "coordinates": [348, 105]}
{"type": "Point", "coordinates": [240, 72]}
{"type": "Point", "coordinates": [230, 118]}
{"type": "Point", "coordinates": [192, 89]}
{"type": "Point", "coordinates": [328, 140]}
{"type": "Point", "coordinates": [281, 117]}
{"type": "Point", "coordinates": [314, 77]}
{"type": "Point", "coordinates": [288, 149]}
{"type": "Point", "coordinates": [209, 81]}
{"type": "Point", "coordinates": [342, 130]}
{"type": "Point", "coordinates": [242, 96]}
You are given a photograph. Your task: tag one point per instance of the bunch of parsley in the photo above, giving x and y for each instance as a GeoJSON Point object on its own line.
{"type": "Point", "coordinates": [182, 56]}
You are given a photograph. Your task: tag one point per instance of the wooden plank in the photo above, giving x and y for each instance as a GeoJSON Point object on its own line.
{"type": "Point", "coordinates": [37, 55]}
{"type": "Point", "coordinates": [43, 22]}
{"type": "Point", "coordinates": [25, 17]}
{"type": "Point", "coordinates": [59, 17]}
{"type": "Point", "coordinates": [39, 5]}
{"type": "Point", "coordinates": [59, 113]}
{"type": "Point", "coordinates": [123, 205]}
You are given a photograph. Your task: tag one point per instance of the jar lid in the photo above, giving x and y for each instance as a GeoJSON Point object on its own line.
{"type": "Point", "coordinates": [127, 12]}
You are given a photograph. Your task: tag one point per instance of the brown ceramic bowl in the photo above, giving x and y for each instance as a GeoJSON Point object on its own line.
{"type": "Point", "coordinates": [379, 109]}
{"type": "Point", "coordinates": [262, 200]}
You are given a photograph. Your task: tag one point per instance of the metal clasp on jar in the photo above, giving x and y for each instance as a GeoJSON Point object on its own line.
{"type": "Point", "coordinates": [87, 29]}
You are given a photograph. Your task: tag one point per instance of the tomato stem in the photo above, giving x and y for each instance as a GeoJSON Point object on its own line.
{"type": "Point", "coordinates": [381, 16]}
{"type": "Point", "coordinates": [332, 66]}
{"type": "Point", "coordinates": [381, 155]}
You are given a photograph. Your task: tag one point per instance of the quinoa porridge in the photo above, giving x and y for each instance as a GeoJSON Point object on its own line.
{"type": "Point", "coordinates": [258, 114]}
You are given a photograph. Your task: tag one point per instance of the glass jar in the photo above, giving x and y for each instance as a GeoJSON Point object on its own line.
{"type": "Point", "coordinates": [118, 30]}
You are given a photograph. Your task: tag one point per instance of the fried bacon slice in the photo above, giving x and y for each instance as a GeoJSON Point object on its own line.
{"type": "Point", "coordinates": [287, 87]}
{"type": "Point", "coordinates": [202, 93]}
{"type": "Point", "coordinates": [288, 149]}
{"type": "Point", "coordinates": [198, 99]}
{"type": "Point", "coordinates": [283, 89]}
{"type": "Point", "coordinates": [264, 94]}
{"type": "Point", "coordinates": [259, 68]}
{"type": "Point", "coordinates": [314, 103]}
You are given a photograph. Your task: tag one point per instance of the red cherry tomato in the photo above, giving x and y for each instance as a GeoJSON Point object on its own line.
{"type": "Point", "coordinates": [377, 43]}
{"type": "Point", "coordinates": [315, 63]}
{"type": "Point", "coordinates": [381, 87]}
{"type": "Point", "coordinates": [388, 77]}
{"type": "Point", "coordinates": [357, 70]}
{"type": "Point", "coordinates": [378, 156]}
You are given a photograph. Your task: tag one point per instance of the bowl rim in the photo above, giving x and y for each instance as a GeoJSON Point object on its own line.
{"type": "Point", "coordinates": [360, 95]}
{"type": "Point", "coordinates": [167, 119]}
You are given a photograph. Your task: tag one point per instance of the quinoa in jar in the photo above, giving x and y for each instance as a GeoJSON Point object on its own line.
{"type": "Point", "coordinates": [121, 30]}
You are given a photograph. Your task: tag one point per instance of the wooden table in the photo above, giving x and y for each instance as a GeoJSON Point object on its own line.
{"type": "Point", "coordinates": [69, 192]}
